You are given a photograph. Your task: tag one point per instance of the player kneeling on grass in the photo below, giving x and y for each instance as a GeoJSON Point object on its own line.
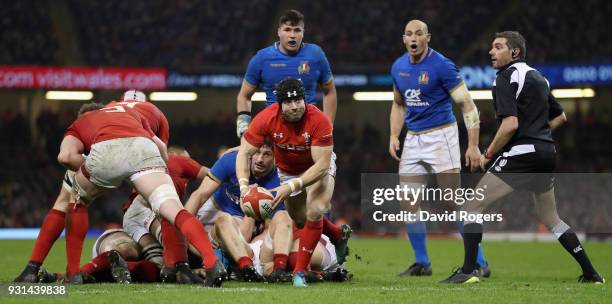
{"type": "Point", "coordinates": [303, 141]}
{"type": "Point", "coordinates": [124, 147]}
{"type": "Point", "coordinates": [217, 200]}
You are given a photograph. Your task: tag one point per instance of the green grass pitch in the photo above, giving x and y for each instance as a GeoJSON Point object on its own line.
{"type": "Point", "coordinates": [522, 273]}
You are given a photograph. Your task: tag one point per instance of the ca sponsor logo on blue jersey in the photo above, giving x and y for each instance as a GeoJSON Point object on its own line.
{"type": "Point", "coordinates": [413, 98]}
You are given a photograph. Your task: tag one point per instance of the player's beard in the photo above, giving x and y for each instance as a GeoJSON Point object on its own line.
{"type": "Point", "coordinates": [293, 116]}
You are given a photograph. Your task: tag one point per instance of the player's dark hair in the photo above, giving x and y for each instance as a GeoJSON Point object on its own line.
{"type": "Point", "coordinates": [289, 89]}
{"type": "Point", "coordinates": [292, 17]}
{"type": "Point", "coordinates": [88, 107]}
{"type": "Point", "coordinates": [514, 40]}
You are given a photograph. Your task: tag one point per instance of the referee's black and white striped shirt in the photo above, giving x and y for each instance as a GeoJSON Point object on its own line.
{"type": "Point", "coordinates": [520, 90]}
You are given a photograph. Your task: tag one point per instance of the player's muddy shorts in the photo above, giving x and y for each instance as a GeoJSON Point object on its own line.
{"type": "Point", "coordinates": [112, 161]}
{"type": "Point", "coordinates": [431, 151]}
{"type": "Point", "coordinates": [527, 166]}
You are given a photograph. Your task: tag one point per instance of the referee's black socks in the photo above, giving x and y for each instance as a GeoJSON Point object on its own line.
{"type": "Point", "coordinates": [570, 242]}
{"type": "Point", "coordinates": [472, 236]}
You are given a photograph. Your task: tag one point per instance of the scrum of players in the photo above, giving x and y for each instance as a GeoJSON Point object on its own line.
{"type": "Point", "coordinates": [162, 241]}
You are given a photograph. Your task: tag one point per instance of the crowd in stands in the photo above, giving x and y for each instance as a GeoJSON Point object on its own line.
{"type": "Point", "coordinates": [193, 35]}
{"type": "Point", "coordinates": [179, 35]}
{"type": "Point", "coordinates": [26, 35]}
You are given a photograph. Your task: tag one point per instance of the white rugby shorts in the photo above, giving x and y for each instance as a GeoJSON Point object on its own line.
{"type": "Point", "coordinates": [432, 151]}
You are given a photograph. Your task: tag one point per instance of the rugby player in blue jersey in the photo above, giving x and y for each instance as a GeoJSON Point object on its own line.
{"type": "Point", "coordinates": [425, 85]}
{"type": "Point", "coordinates": [220, 193]}
{"type": "Point", "coordinates": [290, 57]}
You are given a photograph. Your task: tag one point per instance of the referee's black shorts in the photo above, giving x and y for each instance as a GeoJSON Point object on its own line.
{"type": "Point", "coordinates": [527, 166]}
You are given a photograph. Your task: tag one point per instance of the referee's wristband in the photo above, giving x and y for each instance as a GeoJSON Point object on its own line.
{"type": "Point", "coordinates": [244, 113]}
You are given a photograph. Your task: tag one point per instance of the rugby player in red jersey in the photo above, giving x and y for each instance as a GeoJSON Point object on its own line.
{"type": "Point", "coordinates": [125, 147]}
{"type": "Point", "coordinates": [303, 142]}
{"type": "Point", "coordinates": [55, 221]}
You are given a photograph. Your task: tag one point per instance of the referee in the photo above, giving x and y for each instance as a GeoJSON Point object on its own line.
{"type": "Point", "coordinates": [526, 113]}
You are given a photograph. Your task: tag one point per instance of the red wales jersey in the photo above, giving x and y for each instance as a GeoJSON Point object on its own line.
{"type": "Point", "coordinates": [182, 169]}
{"type": "Point", "coordinates": [154, 116]}
{"type": "Point", "coordinates": [108, 123]}
{"type": "Point", "coordinates": [292, 141]}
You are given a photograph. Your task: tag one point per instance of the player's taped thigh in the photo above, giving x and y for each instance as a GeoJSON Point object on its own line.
{"type": "Point", "coordinates": [546, 208]}
{"type": "Point", "coordinates": [161, 194]}
{"type": "Point", "coordinates": [81, 194]}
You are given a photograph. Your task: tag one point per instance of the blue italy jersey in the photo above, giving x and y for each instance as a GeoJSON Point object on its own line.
{"type": "Point", "coordinates": [425, 88]}
{"type": "Point", "coordinates": [269, 66]}
{"type": "Point", "coordinates": [227, 197]}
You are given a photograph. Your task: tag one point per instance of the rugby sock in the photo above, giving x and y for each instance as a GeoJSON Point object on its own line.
{"type": "Point", "coordinates": [417, 234]}
{"type": "Point", "coordinates": [97, 264]}
{"type": "Point", "coordinates": [570, 242]}
{"type": "Point", "coordinates": [193, 230]}
{"type": "Point", "coordinates": [333, 231]}
{"type": "Point", "coordinates": [480, 259]}
{"type": "Point", "coordinates": [471, 238]}
{"type": "Point", "coordinates": [292, 260]}
{"type": "Point", "coordinates": [77, 222]}
{"type": "Point", "coordinates": [244, 262]}
{"type": "Point", "coordinates": [280, 261]}
{"type": "Point", "coordinates": [143, 271]}
{"type": "Point", "coordinates": [308, 241]}
{"type": "Point", "coordinates": [49, 232]}
{"type": "Point", "coordinates": [175, 248]}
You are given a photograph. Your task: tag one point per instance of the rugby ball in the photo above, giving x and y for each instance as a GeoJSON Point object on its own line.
{"type": "Point", "coordinates": [257, 203]}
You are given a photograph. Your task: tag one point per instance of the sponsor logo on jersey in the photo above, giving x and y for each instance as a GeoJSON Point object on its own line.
{"type": "Point", "coordinates": [413, 98]}
{"type": "Point", "coordinates": [278, 135]}
{"type": "Point", "coordinates": [423, 77]}
{"type": "Point", "coordinates": [278, 65]}
{"type": "Point", "coordinates": [404, 74]}
{"type": "Point", "coordinates": [292, 147]}
{"type": "Point", "coordinates": [304, 67]}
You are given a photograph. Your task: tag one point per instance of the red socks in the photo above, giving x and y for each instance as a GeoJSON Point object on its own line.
{"type": "Point", "coordinates": [49, 232]}
{"type": "Point", "coordinates": [193, 230]}
{"type": "Point", "coordinates": [77, 222]}
{"type": "Point", "coordinates": [175, 248]}
{"type": "Point", "coordinates": [244, 262]}
{"type": "Point", "coordinates": [332, 230]}
{"type": "Point", "coordinates": [308, 242]}
{"type": "Point", "coordinates": [280, 261]}
{"type": "Point", "coordinates": [99, 263]}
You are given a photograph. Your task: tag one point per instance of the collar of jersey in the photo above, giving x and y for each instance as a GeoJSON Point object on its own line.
{"type": "Point", "coordinates": [505, 67]}
{"type": "Point", "coordinates": [276, 46]}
